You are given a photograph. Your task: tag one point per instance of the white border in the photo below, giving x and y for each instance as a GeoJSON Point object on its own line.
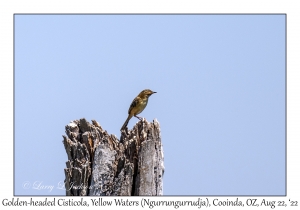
{"type": "Point", "coordinates": [8, 8]}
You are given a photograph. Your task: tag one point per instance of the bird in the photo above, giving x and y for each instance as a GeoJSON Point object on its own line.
{"type": "Point", "coordinates": [138, 105]}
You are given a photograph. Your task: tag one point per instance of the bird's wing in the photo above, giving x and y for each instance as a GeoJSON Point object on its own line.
{"type": "Point", "coordinates": [133, 104]}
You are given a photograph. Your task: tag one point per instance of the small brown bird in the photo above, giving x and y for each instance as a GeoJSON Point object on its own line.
{"type": "Point", "coordinates": [138, 105]}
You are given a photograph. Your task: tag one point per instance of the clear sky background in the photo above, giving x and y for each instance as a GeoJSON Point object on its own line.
{"type": "Point", "coordinates": [220, 83]}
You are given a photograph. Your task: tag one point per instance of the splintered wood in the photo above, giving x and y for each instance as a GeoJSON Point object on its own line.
{"type": "Point", "coordinates": [101, 165]}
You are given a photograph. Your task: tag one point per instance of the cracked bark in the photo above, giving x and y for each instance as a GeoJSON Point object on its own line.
{"type": "Point", "coordinates": [99, 164]}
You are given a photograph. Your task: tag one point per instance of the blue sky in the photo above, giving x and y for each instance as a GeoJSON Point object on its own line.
{"type": "Point", "coordinates": [220, 83]}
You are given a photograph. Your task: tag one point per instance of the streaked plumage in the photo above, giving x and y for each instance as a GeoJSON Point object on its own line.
{"type": "Point", "coordinates": [138, 105]}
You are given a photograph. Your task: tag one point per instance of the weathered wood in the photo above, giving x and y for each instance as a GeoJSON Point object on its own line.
{"type": "Point", "coordinates": [106, 166]}
{"type": "Point", "coordinates": [78, 169]}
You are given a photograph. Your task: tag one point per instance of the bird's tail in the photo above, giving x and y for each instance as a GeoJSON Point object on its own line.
{"type": "Point", "coordinates": [126, 122]}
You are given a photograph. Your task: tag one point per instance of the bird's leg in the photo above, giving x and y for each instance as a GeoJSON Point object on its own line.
{"type": "Point", "coordinates": [140, 118]}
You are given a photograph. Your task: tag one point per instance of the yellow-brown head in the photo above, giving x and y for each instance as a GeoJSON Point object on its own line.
{"type": "Point", "coordinates": [146, 93]}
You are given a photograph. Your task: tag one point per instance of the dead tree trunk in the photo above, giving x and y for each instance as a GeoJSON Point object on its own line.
{"type": "Point", "coordinates": [100, 164]}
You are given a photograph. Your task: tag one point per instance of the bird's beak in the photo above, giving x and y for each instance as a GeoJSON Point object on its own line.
{"type": "Point", "coordinates": [154, 92]}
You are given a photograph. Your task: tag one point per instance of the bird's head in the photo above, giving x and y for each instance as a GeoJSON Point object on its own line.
{"type": "Point", "coordinates": [146, 93]}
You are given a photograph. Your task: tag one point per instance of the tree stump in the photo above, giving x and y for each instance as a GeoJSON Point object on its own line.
{"type": "Point", "coordinates": [99, 164]}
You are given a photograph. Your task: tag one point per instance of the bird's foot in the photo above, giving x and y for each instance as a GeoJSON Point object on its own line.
{"type": "Point", "coordinates": [140, 118]}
